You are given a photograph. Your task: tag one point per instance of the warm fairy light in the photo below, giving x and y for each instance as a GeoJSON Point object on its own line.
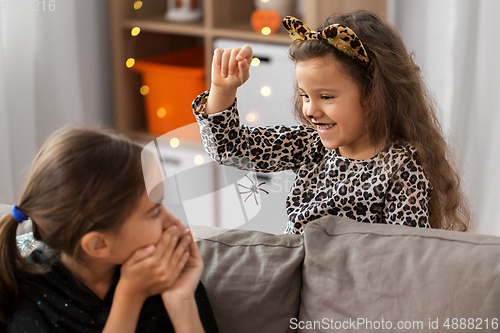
{"type": "Point", "coordinates": [137, 5]}
{"type": "Point", "coordinates": [198, 160]}
{"type": "Point", "coordinates": [174, 142]}
{"type": "Point", "coordinates": [250, 117]}
{"type": "Point", "coordinates": [255, 62]}
{"type": "Point", "coordinates": [144, 90]}
{"type": "Point", "coordinates": [135, 31]}
{"type": "Point", "coordinates": [265, 91]}
{"type": "Point", "coordinates": [161, 113]}
{"type": "Point", "coordinates": [130, 62]}
{"type": "Point", "coordinates": [264, 1]}
{"type": "Point", "coordinates": [266, 31]}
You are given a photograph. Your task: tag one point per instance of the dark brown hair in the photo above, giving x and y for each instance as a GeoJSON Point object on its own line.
{"type": "Point", "coordinates": [397, 105]}
{"type": "Point", "coordinates": [82, 180]}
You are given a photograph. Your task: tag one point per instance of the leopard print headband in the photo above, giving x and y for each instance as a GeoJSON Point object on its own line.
{"type": "Point", "coordinates": [338, 35]}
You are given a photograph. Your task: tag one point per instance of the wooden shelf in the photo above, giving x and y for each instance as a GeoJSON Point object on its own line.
{"type": "Point", "coordinates": [159, 25]}
{"type": "Point", "coordinates": [245, 32]}
{"type": "Point", "coordinates": [222, 19]}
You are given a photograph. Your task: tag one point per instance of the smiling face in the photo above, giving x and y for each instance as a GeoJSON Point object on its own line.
{"type": "Point", "coordinates": [143, 227]}
{"type": "Point", "coordinates": [331, 101]}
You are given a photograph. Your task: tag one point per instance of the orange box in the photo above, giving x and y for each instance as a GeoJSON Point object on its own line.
{"type": "Point", "coordinates": [174, 80]}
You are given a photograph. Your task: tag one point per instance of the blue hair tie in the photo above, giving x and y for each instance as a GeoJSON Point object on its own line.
{"type": "Point", "coordinates": [18, 215]}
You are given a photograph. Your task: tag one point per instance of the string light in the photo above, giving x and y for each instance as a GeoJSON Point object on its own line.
{"type": "Point", "coordinates": [266, 31]}
{"type": "Point", "coordinates": [130, 62]}
{"type": "Point", "coordinates": [137, 5]}
{"type": "Point", "coordinates": [255, 62]}
{"type": "Point", "coordinates": [198, 160]}
{"type": "Point", "coordinates": [144, 90]}
{"type": "Point", "coordinates": [265, 91]}
{"type": "Point", "coordinates": [250, 117]}
{"type": "Point", "coordinates": [174, 142]}
{"type": "Point", "coordinates": [161, 113]}
{"type": "Point", "coordinates": [135, 31]}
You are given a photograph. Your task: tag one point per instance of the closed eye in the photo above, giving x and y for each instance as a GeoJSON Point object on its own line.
{"type": "Point", "coordinates": [157, 213]}
{"type": "Point", "coordinates": [304, 96]}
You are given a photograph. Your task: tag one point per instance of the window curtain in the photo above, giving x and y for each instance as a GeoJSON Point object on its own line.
{"type": "Point", "coordinates": [54, 70]}
{"type": "Point", "coordinates": [456, 44]}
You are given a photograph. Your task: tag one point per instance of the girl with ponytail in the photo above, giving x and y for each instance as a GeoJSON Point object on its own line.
{"type": "Point", "coordinates": [111, 259]}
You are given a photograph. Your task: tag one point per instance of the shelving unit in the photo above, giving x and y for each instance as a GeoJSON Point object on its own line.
{"type": "Point", "coordinates": [222, 19]}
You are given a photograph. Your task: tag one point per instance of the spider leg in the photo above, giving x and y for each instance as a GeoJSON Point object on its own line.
{"type": "Point", "coordinates": [251, 180]}
{"type": "Point", "coordinates": [255, 197]}
{"type": "Point", "coordinates": [261, 184]}
{"type": "Point", "coordinates": [263, 190]}
{"type": "Point", "coordinates": [248, 196]}
{"type": "Point", "coordinates": [244, 186]}
{"type": "Point", "coordinates": [245, 192]}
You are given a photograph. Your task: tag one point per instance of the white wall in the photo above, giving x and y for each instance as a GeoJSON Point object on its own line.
{"type": "Point", "coordinates": [54, 70]}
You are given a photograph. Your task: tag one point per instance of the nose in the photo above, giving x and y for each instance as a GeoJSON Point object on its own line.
{"type": "Point", "coordinates": [167, 217]}
{"type": "Point", "coordinates": [312, 110]}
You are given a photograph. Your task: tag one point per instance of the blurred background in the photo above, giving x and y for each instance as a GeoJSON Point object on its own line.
{"type": "Point", "coordinates": [120, 63]}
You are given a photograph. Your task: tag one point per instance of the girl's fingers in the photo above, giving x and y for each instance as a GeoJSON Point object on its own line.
{"type": "Point", "coordinates": [141, 254]}
{"type": "Point", "coordinates": [216, 62]}
{"type": "Point", "coordinates": [167, 243]}
{"type": "Point", "coordinates": [245, 53]}
{"type": "Point", "coordinates": [233, 63]}
{"type": "Point", "coordinates": [225, 62]}
{"type": "Point", "coordinates": [245, 70]}
{"type": "Point", "coordinates": [177, 269]}
{"type": "Point", "coordinates": [181, 248]}
{"type": "Point", "coordinates": [193, 247]}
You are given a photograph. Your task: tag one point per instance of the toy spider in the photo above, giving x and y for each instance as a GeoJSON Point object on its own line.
{"type": "Point", "coordinates": [253, 189]}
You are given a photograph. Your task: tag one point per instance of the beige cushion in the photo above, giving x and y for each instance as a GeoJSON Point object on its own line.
{"type": "Point", "coordinates": [396, 273]}
{"type": "Point", "coordinates": [23, 228]}
{"type": "Point", "coordinates": [4, 209]}
{"type": "Point", "coordinates": [252, 279]}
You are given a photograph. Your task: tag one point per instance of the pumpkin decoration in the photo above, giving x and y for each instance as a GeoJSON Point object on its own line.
{"type": "Point", "coordinates": [265, 21]}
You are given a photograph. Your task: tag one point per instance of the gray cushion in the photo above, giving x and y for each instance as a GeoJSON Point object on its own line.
{"type": "Point", "coordinates": [252, 279]}
{"type": "Point", "coordinates": [396, 273]}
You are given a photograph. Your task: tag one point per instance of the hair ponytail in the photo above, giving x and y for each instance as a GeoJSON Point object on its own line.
{"type": "Point", "coordinates": [82, 180]}
{"type": "Point", "coordinates": [11, 262]}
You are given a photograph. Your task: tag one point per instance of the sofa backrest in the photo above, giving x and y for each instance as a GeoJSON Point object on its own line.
{"type": "Point", "coordinates": [374, 274]}
{"type": "Point", "coordinates": [253, 279]}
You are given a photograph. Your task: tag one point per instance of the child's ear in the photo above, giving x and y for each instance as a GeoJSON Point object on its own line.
{"type": "Point", "coordinates": [96, 244]}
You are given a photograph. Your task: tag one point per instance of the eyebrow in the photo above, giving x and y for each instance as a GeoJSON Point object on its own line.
{"type": "Point", "coordinates": [331, 90]}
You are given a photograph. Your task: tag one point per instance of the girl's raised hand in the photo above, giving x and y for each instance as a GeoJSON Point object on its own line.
{"type": "Point", "coordinates": [231, 67]}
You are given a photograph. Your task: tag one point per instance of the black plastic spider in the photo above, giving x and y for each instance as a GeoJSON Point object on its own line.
{"type": "Point", "coordinates": [253, 189]}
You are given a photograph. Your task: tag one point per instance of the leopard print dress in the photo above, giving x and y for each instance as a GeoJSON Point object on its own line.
{"type": "Point", "coordinates": [388, 188]}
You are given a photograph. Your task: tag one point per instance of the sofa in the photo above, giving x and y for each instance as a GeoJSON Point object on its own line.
{"type": "Point", "coordinates": [342, 275]}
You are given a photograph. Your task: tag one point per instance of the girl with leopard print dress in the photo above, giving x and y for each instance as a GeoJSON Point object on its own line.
{"type": "Point", "coordinates": [369, 148]}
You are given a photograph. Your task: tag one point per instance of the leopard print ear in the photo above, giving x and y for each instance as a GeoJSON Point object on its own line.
{"type": "Point", "coordinates": [345, 40]}
{"type": "Point", "coordinates": [296, 28]}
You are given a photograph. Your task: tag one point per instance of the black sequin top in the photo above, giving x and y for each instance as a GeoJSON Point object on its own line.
{"type": "Point", "coordinates": [57, 302]}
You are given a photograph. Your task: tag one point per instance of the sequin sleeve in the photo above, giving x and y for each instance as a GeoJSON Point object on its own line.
{"type": "Point", "coordinates": [272, 148]}
{"type": "Point", "coordinates": [408, 194]}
